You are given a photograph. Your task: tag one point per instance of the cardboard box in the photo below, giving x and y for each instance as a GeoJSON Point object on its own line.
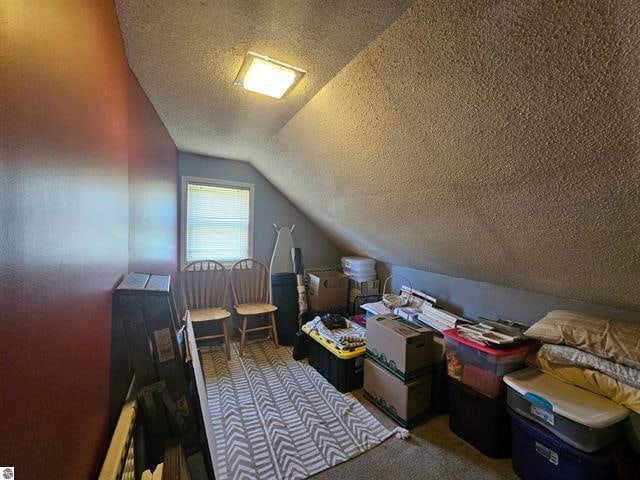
{"type": "Point", "coordinates": [327, 290]}
{"type": "Point", "coordinates": [406, 403]}
{"type": "Point", "coordinates": [356, 289]}
{"type": "Point", "coordinates": [396, 346]}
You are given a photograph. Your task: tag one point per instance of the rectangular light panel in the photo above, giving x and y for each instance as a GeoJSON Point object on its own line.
{"type": "Point", "coordinates": [266, 76]}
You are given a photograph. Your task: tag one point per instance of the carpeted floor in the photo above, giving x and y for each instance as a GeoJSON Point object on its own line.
{"type": "Point", "coordinates": [432, 452]}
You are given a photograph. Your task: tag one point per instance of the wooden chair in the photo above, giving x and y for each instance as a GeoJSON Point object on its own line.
{"type": "Point", "coordinates": [251, 295]}
{"type": "Point", "coordinates": [204, 285]}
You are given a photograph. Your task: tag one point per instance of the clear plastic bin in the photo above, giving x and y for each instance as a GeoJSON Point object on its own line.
{"type": "Point", "coordinates": [481, 367]}
{"type": "Point", "coordinates": [582, 419]}
{"type": "Point", "coordinates": [358, 264]}
{"type": "Point", "coordinates": [358, 277]}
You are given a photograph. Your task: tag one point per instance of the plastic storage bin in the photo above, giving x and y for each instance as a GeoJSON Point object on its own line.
{"type": "Point", "coordinates": [582, 419]}
{"type": "Point", "coordinates": [358, 263]}
{"type": "Point", "coordinates": [439, 389]}
{"type": "Point", "coordinates": [440, 382]}
{"type": "Point", "coordinates": [359, 269]}
{"type": "Point", "coordinates": [344, 369]}
{"type": "Point", "coordinates": [537, 453]}
{"type": "Point", "coordinates": [632, 430]}
{"type": "Point", "coordinates": [481, 421]}
{"type": "Point", "coordinates": [482, 367]}
{"type": "Point", "coordinates": [362, 277]}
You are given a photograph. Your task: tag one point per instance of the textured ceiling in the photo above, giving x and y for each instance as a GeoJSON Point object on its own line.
{"type": "Point", "coordinates": [492, 140]}
{"type": "Point", "coordinates": [498, 141]}
{"type": "Point", "coordinates": [186, 55]}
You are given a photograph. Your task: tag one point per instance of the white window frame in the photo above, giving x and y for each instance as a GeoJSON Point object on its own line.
{"type": "Point", "coordinates": [213, 182]}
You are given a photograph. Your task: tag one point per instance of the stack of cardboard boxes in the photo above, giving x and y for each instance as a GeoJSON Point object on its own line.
{"type": "Point", "coordinates": [397, 370]}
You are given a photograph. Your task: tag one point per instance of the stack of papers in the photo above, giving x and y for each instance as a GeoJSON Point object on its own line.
{"type": "Point", "coordinates": [377, 308]}
{"type": "Point", "coordinates": [417, 299]}
{"type": "Point", "coordinates": [440, 319]}
{"type": "Point", "coordinates": [490, 333]}
{"type": "Point", "coordinates": [408, 313]}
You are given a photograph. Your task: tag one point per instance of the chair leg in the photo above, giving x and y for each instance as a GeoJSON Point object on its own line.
{"type": "Point", "coordinates": [274, 329]}
{"type": "Point", "coordinates": [243, 332]}
{"type": "Point", "coordinates": [227, 346]}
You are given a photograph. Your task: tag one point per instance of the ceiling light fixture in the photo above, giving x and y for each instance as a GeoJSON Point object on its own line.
{"type": "Point", "coordinates": [267, 76]}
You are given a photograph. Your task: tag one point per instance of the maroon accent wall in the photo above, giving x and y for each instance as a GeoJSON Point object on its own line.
{"type": "Point", "coordinates": [153, 189]}
{"type": "Point", "coordinates": [87, 191]}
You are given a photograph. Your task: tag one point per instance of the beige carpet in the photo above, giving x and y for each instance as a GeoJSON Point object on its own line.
{"type": "Point", "coordinates": [432, 452]}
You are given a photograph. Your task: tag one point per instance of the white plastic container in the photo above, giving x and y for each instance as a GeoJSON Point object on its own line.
{"type": "Point", "coordinates": [358, 264]}
{"type": "Point", "coordinates": [362, 277]}
{"type": "Point", "coordinates": [580, 418]}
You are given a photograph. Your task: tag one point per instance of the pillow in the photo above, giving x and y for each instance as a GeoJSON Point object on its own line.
{"type": "Point", "coordinates": [592, 380]}
{"type": "Point", "coordinates": [612, 339]}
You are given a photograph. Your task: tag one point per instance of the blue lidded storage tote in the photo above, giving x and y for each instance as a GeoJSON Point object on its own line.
{"type": "Point", "coordinates": [538, 454]}
{"type": "Point", "coordinates": [580, 418]}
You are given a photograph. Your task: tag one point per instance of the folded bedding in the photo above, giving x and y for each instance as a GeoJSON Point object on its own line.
{"type": "Point", "coordinates": [570, 356]}
{"type": "Point", "coordinates": [589, 379]}
{"type": "Point", "coordinates": [353, 336]}
{"type": "Point", "coordinates": [610, 339]}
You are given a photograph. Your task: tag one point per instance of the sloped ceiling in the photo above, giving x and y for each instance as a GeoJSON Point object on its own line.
{"type": "Point", "coordinates": [187, 53]}
{"type": "Point", "coordinates": [498, 141]}
{"type": "Point", "coordinates": [491, 140]}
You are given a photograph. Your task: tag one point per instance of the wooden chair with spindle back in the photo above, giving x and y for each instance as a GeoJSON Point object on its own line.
{"type": "Point", "coordinates": [251, 294]}
{"type": "Point", "coordinates": [204, 285]}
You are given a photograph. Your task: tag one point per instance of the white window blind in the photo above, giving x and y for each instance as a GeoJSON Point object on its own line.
{"type": "Point", "coordinates": [218, 222]}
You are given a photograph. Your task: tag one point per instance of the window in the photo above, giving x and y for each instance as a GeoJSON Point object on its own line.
{"type": "Point", "coordinates": [217, 221]}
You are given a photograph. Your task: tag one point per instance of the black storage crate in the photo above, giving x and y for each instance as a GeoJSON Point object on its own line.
{"type": "Point", "coordinates": [481, 421]}
{"type": "Point", "coordinates": [344, 374]}
{"type": "Point", "coordinates": [440, 389]}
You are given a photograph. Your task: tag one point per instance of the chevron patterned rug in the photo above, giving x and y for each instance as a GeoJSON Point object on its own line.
{"type": "Point", "coordinates": [276, 418]}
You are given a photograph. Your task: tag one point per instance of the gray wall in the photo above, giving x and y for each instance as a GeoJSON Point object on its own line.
{"type": "Point", "coordinates": [270, 206]}
{"type": "Point", "coordinates": [470, 298]}
{"type": "Point", "coordinates": [474, 299]}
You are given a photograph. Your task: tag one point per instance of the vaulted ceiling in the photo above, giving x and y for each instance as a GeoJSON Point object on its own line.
{"type": "Point", "coordinates": [187, 53]}
{"type": "Point", "coordinates": [498, 141]}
